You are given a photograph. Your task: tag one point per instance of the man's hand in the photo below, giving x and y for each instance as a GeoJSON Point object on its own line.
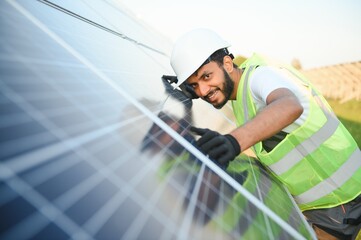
{"type": "Point", "coordinates": [221, 148]}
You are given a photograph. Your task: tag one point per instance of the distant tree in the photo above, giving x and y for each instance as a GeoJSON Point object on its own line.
{"type": "Point", "coordinates": [238, 60]}
{"type": "Point", "coordinates": [296, 63]}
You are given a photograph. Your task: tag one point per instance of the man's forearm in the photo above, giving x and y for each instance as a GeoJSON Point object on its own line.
{"type": "Point", "coordinates": [283, 109]}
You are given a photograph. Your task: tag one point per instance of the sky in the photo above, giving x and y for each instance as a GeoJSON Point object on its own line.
{"type": "Point", "coordinates": [316, 32]}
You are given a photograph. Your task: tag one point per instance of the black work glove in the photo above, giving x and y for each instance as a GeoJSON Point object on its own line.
{"type": "Point", "coordinates": [221, 148]}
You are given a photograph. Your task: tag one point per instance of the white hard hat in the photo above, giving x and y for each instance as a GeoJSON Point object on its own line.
{"type": "Point", "coordinates": [192, 49]}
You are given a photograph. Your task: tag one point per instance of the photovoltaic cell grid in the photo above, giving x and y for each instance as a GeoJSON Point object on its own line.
{"type": "Point", "coordinates": [93, 143]}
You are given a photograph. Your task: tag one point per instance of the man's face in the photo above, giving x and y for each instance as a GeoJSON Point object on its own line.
{"type": "Point", "coordinates": [213, 84]}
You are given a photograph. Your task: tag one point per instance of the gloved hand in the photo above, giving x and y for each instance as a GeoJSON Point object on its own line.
{"type": "Point", "coordinates": [221, 148]}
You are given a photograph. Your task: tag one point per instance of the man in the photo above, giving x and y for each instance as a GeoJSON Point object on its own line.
{"type": "Point", "coordinates": [285, 120]}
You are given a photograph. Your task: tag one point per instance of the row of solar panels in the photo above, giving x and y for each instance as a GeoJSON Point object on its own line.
{"type": "Point", "coordinates": [95, 146]}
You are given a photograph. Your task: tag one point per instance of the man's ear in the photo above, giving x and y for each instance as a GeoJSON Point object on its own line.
{"type": "Point", "coordinates": [228, 63]}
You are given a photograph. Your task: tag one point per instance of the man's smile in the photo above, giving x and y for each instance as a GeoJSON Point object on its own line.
{"type": "Point", "coordinates": [211, 96]}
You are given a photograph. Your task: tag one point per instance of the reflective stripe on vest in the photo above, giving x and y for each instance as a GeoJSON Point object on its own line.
{"type": "Point", "coordinates": [244, 95]}
{"type": "Point", "coordinates": [308, 145]}
{"type": "Point", "coordinates": [337, 179]}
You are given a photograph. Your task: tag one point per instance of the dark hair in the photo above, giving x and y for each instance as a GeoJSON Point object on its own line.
{"type": "Point", "coordinates": [217, 57]}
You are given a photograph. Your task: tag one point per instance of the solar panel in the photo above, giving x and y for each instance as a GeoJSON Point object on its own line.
{"type": "Point", "coordinates": [95, 146]}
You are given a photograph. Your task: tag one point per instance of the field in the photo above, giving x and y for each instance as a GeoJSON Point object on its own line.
{"type": "Point", "coordinates": [349, 114]}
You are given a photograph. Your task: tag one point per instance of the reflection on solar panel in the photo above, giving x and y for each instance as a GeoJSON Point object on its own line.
{"type": "Point", "coordinates": [95, 146]}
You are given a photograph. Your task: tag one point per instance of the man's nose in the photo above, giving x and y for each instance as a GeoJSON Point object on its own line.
{"type": "Point", "coordinates": [203, 89]}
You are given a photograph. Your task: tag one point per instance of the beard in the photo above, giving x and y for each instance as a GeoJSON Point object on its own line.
{"type": "Point", "coordinates": [228, 86]}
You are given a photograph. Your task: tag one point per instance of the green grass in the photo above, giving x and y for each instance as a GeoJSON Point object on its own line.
{"type": "Point", "coordinates": [349, 114]}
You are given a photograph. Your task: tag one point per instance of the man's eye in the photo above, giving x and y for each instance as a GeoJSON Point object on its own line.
{"type": "Point", "coordinates": [207, 76]}
{"type": "Point", "coordinates": [194, 85]}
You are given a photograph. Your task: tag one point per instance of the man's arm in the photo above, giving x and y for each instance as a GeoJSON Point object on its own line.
{"type": "Point", "coordinates": [282, 109]}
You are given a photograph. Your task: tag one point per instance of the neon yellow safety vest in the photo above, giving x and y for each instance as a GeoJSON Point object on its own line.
{"type": "Point", "coordinates": [319, 162]}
